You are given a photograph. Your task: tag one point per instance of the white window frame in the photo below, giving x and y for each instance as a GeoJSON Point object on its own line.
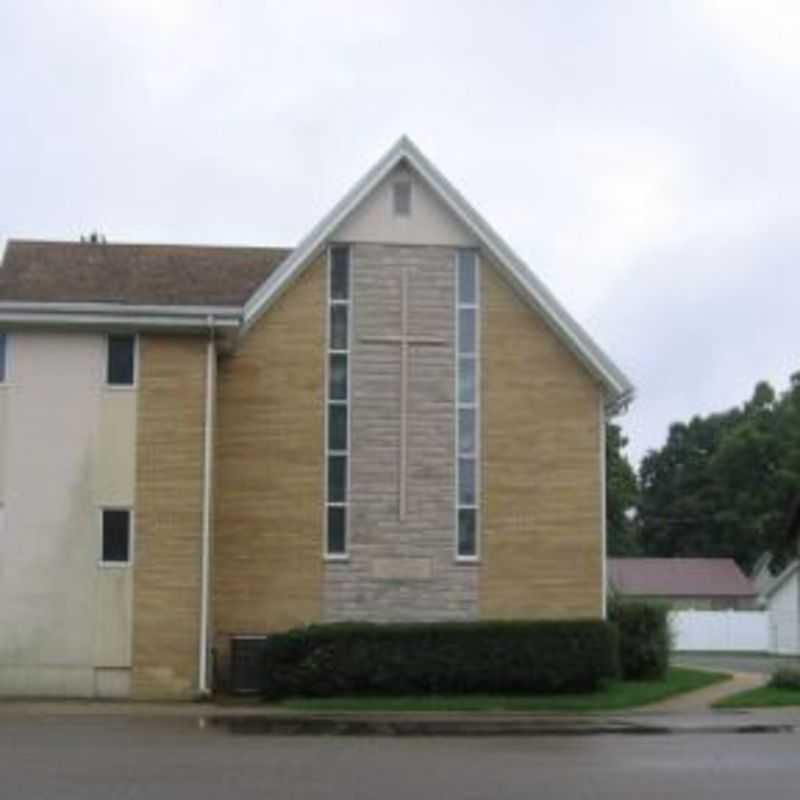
{"type": "Point", "coordinates": [121, 387]}
{"type": "Point", "coordinates": [131, 538]}
{"type": "Point", "coordinates": [475, 557]}
{"type": "Point", "coordinates": [330, 302]}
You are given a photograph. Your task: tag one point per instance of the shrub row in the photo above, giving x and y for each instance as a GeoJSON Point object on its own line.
{"type": "Point", "coordinates": [786, 678]}
{"type": "Point", "coordinates": [451, 658]}
{"type": "Point", "coordinates": [644, 639]}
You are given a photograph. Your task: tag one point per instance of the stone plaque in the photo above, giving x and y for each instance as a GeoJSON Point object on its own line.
{"type": "Point", "coordinates": [402, 569]}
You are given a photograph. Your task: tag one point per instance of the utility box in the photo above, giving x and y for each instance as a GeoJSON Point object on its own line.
{"type": "Point", "coordinates": [247, 664]}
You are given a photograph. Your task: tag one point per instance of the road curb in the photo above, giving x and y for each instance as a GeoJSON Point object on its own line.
{"type": "Point", "coordinates": [336, 725]}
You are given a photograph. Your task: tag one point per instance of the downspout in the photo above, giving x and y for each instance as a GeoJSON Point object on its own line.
{"type": "Point", "coordinates": [208, 476]}
{"type": "Point", "coordinates": [603, 506]}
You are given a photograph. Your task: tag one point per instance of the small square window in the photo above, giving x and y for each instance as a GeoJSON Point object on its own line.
{"type": "Point", "coordinates": [121, 360]}
{"type": "Point", "coordinates": [401, 193]}
{"type": "Point", "coordinates": [116, 536]}
{"type": "Point", "coordinates": [3, 346]}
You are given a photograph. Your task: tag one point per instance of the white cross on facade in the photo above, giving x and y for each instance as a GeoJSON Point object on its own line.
{"type": "Point", "coordinates": [406, 342]}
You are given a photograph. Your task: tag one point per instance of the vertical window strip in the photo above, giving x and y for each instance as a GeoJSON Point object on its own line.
{"type": "Point", "coordinates": [337, 403]}
{"type": "Point", "coordinates": [467, 434]}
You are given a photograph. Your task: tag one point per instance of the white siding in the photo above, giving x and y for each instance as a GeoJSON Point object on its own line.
{"type": "Point", "coordinates": [430, 221]}
{"type": "Point", "coordinates": [784, 618]}
{"type": "Point", "coordinates": [58, 613]}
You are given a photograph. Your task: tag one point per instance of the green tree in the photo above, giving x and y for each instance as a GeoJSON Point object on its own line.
{"type": "Point", "coordinates": [621, 496]}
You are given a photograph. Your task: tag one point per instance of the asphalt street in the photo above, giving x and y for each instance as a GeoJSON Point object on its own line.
{"type": "Point", "coordinates": [108, 757]}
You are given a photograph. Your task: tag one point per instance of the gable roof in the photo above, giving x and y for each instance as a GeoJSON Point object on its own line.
{"type": "Point", "coordinates": [618, 388]}
{"type": "Point", "coordinates": [679, 577]}
{"type": "Point", "coordinates": [133, 274]}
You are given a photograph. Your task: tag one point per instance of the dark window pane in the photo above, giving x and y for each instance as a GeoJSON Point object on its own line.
{"type": "Point", "coordinates": [466, 380]}
{"type": "Point", "coordinates": [338, 327]}
{"type": "Point", "coordinates": [120, 360]}
{"type": "Point", "coordinates": [337, 479]}
{"type": "Point", "coordinates": [336, 530]}
{"type": "Point", "coordinates": [116, 536]}
{"type": "Point", "coordinates": [466, 482]}
{"type": "Point", "coordinates": [338, 378]}
{"type": "Point", "coordinates": [466, 277]}
{"type": "Point", "coordinates": [340, 273]}
{"type": "Point", "coordinates": [467, 538]}
{"type": "Point", "coordinates": [337, 427]}
{"type": "Point", "coordinates": [2, 357]}
{"type": "Point", "coordinates": [402, 198]}
{"type": "Point", "coordinates": [466, 330]}
{"type": "Point", "coordinates": [466, 431]}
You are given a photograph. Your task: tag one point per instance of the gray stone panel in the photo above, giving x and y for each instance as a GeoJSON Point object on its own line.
{"type": "Point", "coordinates": [402, 570]}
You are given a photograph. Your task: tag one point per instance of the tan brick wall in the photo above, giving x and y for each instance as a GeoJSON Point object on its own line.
{"type": "Point", "coordinates": [168, 521]}
{"type": "Point", "coordinates": [269, 468]}
{"type": "Point", "coordinates": [542, 541]}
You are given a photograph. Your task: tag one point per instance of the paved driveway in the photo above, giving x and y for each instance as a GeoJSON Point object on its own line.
{"type": "Point", "coordinates": [734, 662]}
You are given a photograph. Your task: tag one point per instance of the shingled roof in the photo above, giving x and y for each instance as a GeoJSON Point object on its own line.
{"type": "Point", "coordinates": [678, 577]}
{"type": "Point", "coordinates": [134, 274]}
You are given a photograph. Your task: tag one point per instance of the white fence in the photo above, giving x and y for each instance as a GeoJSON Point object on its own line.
{"type": "Point", "coordinates": [744, 631]}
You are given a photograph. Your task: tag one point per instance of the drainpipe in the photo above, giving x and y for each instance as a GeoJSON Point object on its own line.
{"type": "Point", "coordinates": [208, 475]}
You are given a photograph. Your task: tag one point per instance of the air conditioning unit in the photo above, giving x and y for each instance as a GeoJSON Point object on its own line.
{"type": "Point", "coordinates": [247, 664]}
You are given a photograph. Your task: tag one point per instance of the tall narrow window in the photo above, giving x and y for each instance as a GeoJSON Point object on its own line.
{"type": "Point", "coordinates": [116, 544]}
{"type": "Point", "coordinates": [121, 364]}
{"type": "Point", "coordinates": [3, 346]}
{"type": "Point", "coordinates": [467, 406]}
{"type": "Point", "coordinates": [337, 443]}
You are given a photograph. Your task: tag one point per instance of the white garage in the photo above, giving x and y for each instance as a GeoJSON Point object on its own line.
{"type": "Point", "coordinates": [782, 598]}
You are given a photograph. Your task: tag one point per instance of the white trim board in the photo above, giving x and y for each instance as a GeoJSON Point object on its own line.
{"type": "Point", "coordinates": [618, 389]}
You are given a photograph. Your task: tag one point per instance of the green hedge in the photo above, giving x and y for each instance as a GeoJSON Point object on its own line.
{"type": "Point", "coordinates": [644, 639]}
{"type": "Point", "coordinates": [440, 658]}
{"type": "Point", "coordinates": [786, 678]}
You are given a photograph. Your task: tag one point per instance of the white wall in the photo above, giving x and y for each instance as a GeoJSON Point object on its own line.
{"type": "Point", "coordinates": [61, 615]}
{"type": "Point", "coordinates": [784, 617]}
{"type": "Point", "coordinates": [430, 221]}
{"type": "Point", "coordinates": [743, 631]}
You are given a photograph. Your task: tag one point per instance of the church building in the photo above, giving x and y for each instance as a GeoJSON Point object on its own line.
{"type": "Point", "coordinates": [393, 421]}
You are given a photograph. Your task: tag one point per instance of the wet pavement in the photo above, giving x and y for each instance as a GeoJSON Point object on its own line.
{"type": "Point", "coordinates": [109, 756]}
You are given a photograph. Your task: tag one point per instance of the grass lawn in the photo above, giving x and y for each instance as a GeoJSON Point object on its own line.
{"type": "Point", "coordinates": [766, 696]}
{"type": "Point", "coordinates": [613, 696]}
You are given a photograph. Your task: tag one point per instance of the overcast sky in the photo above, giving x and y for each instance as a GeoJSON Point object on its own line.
{"type": "Point", "coordinates": [642, 157]}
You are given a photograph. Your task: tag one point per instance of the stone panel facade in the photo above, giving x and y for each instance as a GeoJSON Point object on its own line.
{"type": "Point", "coordinates": [168, 515]}
{"type": "Point", "coordinates": [542, 544]}
{"type": "Point", "coordinates": [402, 570]}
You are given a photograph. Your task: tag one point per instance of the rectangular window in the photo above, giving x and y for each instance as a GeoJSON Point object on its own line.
{"type": "Point", "coordinates": [337, 440]}
{"type": "Point", "coordinates": [3, 358]}
{"type": "Point", "coordinates": [467, 488]}
{"type": "Point", "coordinates": [121, 360]}
{"type": "Point", "coordinates": [116, 546]}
